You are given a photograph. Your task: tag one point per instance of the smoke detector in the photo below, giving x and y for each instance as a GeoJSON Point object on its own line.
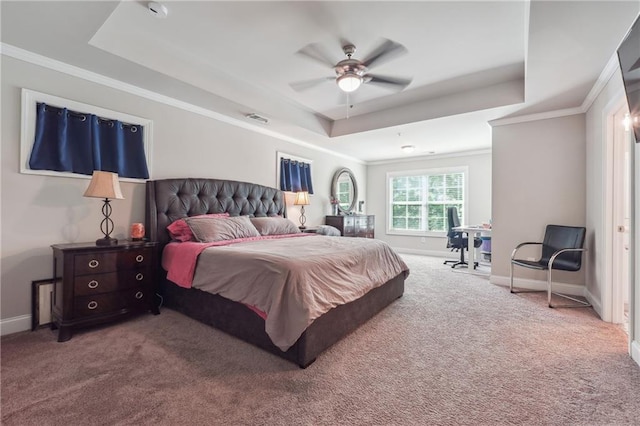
{"type": "Point", "coordinates": [158, 10]}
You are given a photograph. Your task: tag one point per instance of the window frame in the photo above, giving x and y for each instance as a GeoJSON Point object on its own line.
{"type": "Point", "coordinates": [423, 172]}
{"type": "Point", "coordinates": [28, 130]}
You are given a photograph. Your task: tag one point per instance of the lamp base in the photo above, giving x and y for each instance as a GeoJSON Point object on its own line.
{"type": "Point", "coordinates": [106, 241]}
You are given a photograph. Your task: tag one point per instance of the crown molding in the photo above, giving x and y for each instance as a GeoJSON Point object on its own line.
{"type": "Point", "coordinates": [604, 77]}
{"type": "Point", "coordinates": [536, 117]}
{"type": "Point", "coordinates": [427, 157]}
{"type": "Point", "coordinates": [55, 65]}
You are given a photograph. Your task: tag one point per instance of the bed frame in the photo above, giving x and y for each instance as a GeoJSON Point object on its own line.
{"type": "Point", "coordinates": [170, 199]}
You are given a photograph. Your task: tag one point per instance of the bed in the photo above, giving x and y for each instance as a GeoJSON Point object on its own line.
{"type": "Point", "coordinates": [169, 200]}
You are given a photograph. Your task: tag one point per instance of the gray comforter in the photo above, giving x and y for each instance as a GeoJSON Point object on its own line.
{"type": "Point", "coordinates": [296, 280]}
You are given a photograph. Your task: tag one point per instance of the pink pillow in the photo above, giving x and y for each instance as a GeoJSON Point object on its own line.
{"type": "Point", "coordinates": [180, 231]}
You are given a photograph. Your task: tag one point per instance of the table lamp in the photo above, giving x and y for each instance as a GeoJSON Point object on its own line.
{"type": "Point", "coordinates": [302, 199]}
{"type": "Point", "coordinates": [105, 185]}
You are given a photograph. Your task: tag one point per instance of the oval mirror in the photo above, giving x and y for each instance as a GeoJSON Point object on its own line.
{"type": "Point", "coordinates": [345, 189]}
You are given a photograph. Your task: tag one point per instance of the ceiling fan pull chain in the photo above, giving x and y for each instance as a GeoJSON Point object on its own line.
{"type": "Point", "coordinates": [347, 105]}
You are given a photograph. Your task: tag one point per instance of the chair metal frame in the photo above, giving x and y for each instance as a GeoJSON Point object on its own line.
{"type": "Point", "coordinates": [579, 303]}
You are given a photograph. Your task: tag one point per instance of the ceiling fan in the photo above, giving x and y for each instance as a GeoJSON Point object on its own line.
{"type": "Point", "coordinates": [351, 73]}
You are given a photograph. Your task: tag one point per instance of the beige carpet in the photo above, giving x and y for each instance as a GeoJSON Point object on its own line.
{"type": "Point", "coordinates": [454, 350]}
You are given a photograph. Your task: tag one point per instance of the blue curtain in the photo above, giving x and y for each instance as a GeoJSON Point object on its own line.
{"type": "Point", "coordinates": [295, 176]}
{"type": "Point", "coordinates": [69, 141]}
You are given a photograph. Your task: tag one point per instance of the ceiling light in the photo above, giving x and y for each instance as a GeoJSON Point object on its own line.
{"type": "Point", "coordinates": [349, 82]}
{"type": "Point", "coordinates": [408, 148]}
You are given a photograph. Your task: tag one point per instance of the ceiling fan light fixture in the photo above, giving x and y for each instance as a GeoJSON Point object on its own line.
{"type": "Point", "coordinates": [349, 82]}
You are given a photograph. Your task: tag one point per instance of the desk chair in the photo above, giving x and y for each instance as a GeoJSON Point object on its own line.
{"type": "Point", "coordinates": [456, 241]}
{"type": "Point", "coordinates": [562, 249]}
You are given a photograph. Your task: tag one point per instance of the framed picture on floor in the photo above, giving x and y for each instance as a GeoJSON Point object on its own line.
{"type": "Point", "coordinates": [41, 302]}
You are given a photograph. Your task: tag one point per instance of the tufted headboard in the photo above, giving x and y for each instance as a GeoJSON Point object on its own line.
{"type": "Point", "coordinates": [171, 199]}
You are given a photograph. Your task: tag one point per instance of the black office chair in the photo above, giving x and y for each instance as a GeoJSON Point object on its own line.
{"type": "Point", "coordinates": [562, 249]}
{"type": "Point", "coordinates": [456, 241]}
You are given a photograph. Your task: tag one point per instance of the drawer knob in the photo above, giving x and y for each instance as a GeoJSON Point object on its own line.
{"type": "Point", "coordinates": [93, 284]}
{"type": "Point", "coordinates": [139, 276]}
{"type": "Point", "coordinates": [139, 258]}
{"type": "Point", "coordinates": [93, 263]}
{"type": "Point", "coordinates": [139, 295]}
{"type": "Point", "coordinates": [92, 305]}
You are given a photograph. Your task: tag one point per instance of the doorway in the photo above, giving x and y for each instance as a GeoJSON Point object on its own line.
{"type": "Point", "coordinates": [621, 215]}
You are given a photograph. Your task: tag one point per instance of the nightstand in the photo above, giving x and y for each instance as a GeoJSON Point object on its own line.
{"type": "Point", "coordinates": [309, 230]}
{"type": "Point", "coordinates": [99, 284]}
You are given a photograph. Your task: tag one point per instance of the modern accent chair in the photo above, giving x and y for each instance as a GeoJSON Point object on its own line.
{"type": "Point", "coordinates": [562, 249]}
{"type": "Point", "coordinates": [456, 241]}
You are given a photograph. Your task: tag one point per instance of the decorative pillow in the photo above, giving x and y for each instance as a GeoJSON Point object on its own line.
{"type": "Point", "coordinates": [180, 231]}
{"type": "Point", "coordinates": [274, 225]}
{"type": "Point", "coordinates": [212, 229]}
{"type": "Point", "coordinates": [328, 230]}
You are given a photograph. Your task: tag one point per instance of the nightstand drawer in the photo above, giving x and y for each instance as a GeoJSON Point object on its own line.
{"type": "Point", "coordinates": [135, 259]}
{"type": "Point", "coordinates": [112, 281]}
{"type": "Point", "coordinates": [96, 263]}
{"type": "Point", "coordinates": [132, 299]}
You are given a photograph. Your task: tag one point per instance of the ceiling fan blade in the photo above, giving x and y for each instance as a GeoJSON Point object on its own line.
{"type": "Point", "coordinates": [318, 53]}
{"type": "Point", "coordinates": [387, 51]}
{"type": "Point", "coordinates": [398, 82]}
{"type": "Point", "coordinates": [299, 86]}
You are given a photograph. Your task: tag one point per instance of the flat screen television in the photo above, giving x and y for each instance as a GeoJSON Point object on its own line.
{"type": "Point", "coordinates": [629, 57]}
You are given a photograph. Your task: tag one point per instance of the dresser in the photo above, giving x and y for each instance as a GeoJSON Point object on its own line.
{"type": "Point", "coordinates": [98, 284]}
{"type": "Point", "coordinates": [355, 225]}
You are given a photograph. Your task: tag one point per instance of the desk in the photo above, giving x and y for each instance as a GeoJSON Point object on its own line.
{"type": "Point", "coordinates": [472, 231]}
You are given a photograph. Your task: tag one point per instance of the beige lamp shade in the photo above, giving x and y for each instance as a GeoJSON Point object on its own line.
{"type": "Point", "coordinates": [302, 199]}
{"type": "Point", "coordinates": [104, 185]}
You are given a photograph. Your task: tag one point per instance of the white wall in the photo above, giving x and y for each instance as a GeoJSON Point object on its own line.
{"type": "Point", "coordinates": [538, 179]}
{"type": "Point", "coordinates": [38, 211]}
{"type": "Point", "coordinates": [478, 197]}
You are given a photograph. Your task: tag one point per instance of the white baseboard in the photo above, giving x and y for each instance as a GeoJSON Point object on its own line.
{"type": "Point", "coordinates": [433, 253]}
{"type": "Point", "coordinates": [571, 289]}
{"type": "Point", "coordinates": [635, 351]}
{"type": "Point", "coordinates": [595, 302]}
{"type": "Point", "coordinates": [15, 324]}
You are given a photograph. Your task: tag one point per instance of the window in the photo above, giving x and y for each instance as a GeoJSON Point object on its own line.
{"type": "Point", "coordinates": [293, 179]}
{"type": "Point", "coordinates": [418, 200]}
{"type": "Point", "coordinates": [344, 190]}
{"type": "Point", "coordinates": [116, 158]}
